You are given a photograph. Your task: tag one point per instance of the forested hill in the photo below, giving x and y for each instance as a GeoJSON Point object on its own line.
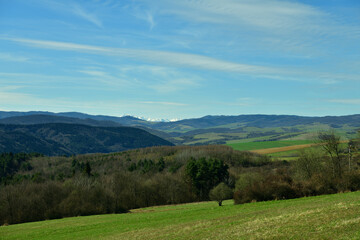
{"type": "Point", "coordinates": [68, 139]}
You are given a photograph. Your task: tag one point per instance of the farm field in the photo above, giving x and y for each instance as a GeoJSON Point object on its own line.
{"type": "Point", "coordinates": [282, 149]}
{"type": "Point", "coordinates": [322, 217]}
{"type": "Point", "coordinates": [249, 146]}
{"type": "Point", "coordinates": [291, 152]}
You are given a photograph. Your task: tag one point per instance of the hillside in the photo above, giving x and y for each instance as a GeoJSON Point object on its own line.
{"type": "Point", "coordinates": [324, 217]}
{"type": "Point", "coordinates": [69, 139]}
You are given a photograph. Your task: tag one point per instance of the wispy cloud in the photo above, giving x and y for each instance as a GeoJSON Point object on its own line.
{"type": "Point", "coordinates": [17, 101]}
{"type": "Point", "coordinates": [167, 86]}
{"type": "Point", "coordinates": [274, 25]}
{"type": "Point", "coordinates": [81, 12]}
{"type": "Point", "coordinates": [195, 61]}
{"type": "Point", "coordinates": [355, 101]}
{"type": "Point", "coordinates": [162, 79]}
{"type": "Point", "coordinates": [147, 17]}
{"type": "Point", "coordinates": [164, 103]}
{"type": "Point", "coordinates": [271, 14]}
{"type": "Point", "coordinates": [94, 73]}
{"type": "Point", "coordinates": [176, 59]}
{"type": "Point", "coordinates": [150, 20]}
{"type": "Point", "coordinates": [74, 9]}
{"type": "Point", "coordinates": [12, 57]}
{"type": "Point", "coordinates": [151, 56]}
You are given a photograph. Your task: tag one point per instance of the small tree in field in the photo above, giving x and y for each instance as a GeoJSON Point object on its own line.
{"type": "Point", "coordinates": [220, 192]}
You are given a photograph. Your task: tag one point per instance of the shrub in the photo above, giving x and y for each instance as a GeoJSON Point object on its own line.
{"type": "Point", "coordinates": [220, 192]}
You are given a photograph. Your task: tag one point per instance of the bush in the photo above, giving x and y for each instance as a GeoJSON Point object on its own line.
{"type": "Point", "coordinates": [264, 187]}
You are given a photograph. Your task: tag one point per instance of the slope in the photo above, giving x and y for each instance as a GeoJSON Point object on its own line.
{"type": "Point", "coordinates": [323, 217]}
{"type": "Point", "coordinates": [68, 139]}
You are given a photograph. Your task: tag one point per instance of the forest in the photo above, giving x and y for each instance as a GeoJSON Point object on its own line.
{"type": "Point", "coordinates": [36, 187]}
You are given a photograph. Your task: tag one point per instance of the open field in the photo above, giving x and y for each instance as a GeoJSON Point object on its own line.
{"type": "Point", "coordinates": [250, 146]}
{"type": "Point", "coordinates": [293, 151]}
{"type": "Point", "coordinates": [282, 149]}
{"type": "Point", "coordinates": [323, 217]}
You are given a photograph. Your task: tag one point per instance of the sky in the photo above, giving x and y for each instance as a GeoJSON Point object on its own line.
{"type": "Point", "coordinates": [164, 59]}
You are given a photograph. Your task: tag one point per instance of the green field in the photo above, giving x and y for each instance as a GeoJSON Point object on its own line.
{"type": "Point", "coordinates": [293, 154]}
{"type": "Point", "coordinates": [323, 217]}
{"type": "Point", "coordinates": [247, 146]}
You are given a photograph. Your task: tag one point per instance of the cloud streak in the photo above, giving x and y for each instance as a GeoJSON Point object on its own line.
{"type": "Point", "coordinates": [74, 9]}
{"type": "Point", "coordinates": [355, 101]}
{"type": "Point", "coordinates": [12, 58]}
{"type": "Point", "coordinates": [200, 62]}
{"type": "Point", "coordinates": [279, 26]}
{"type": "Point", "coordinates": [79, 11]}
{"type": "Point", "coordinates": [164, 103]}
{"type": "Point", "coordinates": [269, 14]}
{"type": "Point", "coordinates": [150, 56]}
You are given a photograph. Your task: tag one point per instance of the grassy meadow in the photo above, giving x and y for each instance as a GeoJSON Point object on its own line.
{"type": "Point", "coordinates": [323, 217]}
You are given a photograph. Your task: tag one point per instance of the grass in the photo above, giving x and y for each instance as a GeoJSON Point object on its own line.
{"type": "Point", "coordinates": [323, 217]}
{"type": "Point", "coordinates": [248, 146]}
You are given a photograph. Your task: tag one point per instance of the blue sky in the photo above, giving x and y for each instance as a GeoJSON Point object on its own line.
{"type": "Point", "coordinates": [181, 59]}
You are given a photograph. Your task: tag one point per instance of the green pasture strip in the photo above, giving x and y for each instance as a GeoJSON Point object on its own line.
{"type": "Point", "coordinates": [266, 144]}
{"type": "Point", "coordinates": [323, 217]}
{"type": "Point", "coordinates": [293, 153]}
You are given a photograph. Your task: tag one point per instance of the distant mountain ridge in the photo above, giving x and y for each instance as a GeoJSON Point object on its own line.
{"type": "Point", "coordinates": [256, 120]}
{"type": "Point", "coordinates": [42, 119]}
{"type": "Point", "coordinates": [207, 129]}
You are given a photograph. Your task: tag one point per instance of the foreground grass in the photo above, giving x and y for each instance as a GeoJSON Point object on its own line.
{"type": "Point", "coordinates": [324, 217]}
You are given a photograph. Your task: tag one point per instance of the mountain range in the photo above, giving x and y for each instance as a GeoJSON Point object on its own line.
{"type": "Point", "coordinates": [257, 120]}
{"type": "Point", "coordinates": [204, 130]}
